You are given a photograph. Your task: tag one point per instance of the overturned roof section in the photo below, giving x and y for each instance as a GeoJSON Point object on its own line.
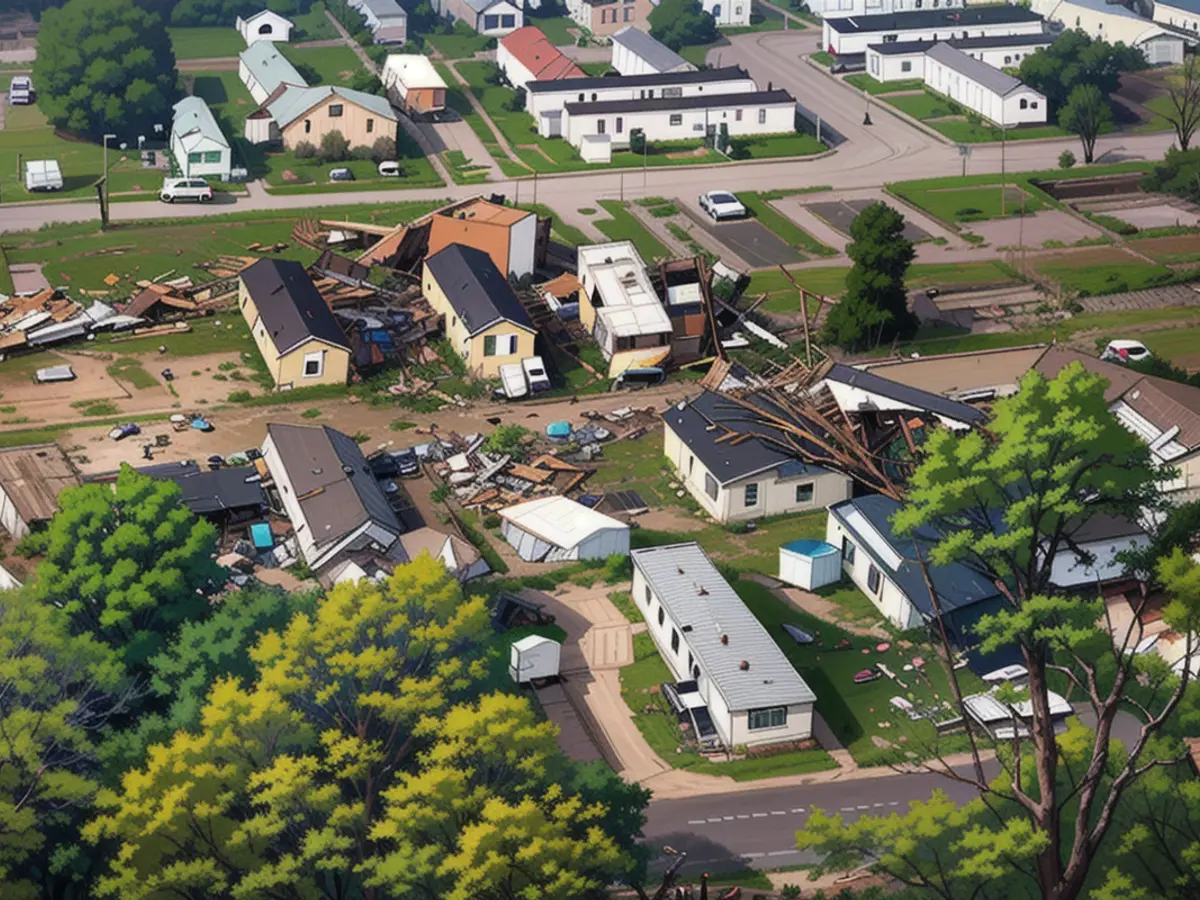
{"type": "Point", "coordinates": [210, 493]}
{"type": "Point", "coordinates": [899, 396]}
{"type": "Point", "coordinates": [33, 476]}
{"type": "Point", "coordinates": [731, 646]}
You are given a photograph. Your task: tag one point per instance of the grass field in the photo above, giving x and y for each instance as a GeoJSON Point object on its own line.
{"type": "Point", "coordinates": [557, 28]}
{"type": "Point", "coordinates": [226, 96]}
{"type": "Point", "coordinates": [309, 175]}
{"type": "Point", "coordinates": [206, 43]}
{"type": "Point", "coordinates": [622, 226]}
{"type": "Point", "coordinates": [950, 118]}
{"type": "Point", "coordinates": [463, 42]}
{"type": "Point", "coordinates": [323, 65]}
{"type": "Point", "coordinates": [313, 25]}
{"type": "Point", "coordinates": [974, 204]}
{"type": "Point", "coordinates": [865, 82]}
{"type": "Point", "coordinates": [1109, 270]}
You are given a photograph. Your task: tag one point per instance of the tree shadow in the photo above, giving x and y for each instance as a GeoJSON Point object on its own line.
{"type": "Point", "coordinates": [210, 89]}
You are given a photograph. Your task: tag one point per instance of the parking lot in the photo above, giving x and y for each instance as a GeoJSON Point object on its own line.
{"type": "Point", "coordinates": [840, 214]}
{"type": "Point", "coordinates": [748, 239]}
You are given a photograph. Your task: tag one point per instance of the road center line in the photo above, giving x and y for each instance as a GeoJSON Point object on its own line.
{"type": "Point", "coordinates": [743, 816]}
{"type": "Point", "coordinates": [697, 822]}
{"type": "Point", "coordinates": [778, 812]}
{"type": "Point", "coordinates": [758, 815]}
{"type": "Point", "coordinates": [798, 809]}
{"type": "Point", "coordinates": [782, 852]}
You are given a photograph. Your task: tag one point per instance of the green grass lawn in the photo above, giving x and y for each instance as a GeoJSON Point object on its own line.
{"type": "Point", "coordinates": [974, 204]}
{"type": "Point", "coordinates": [781, 226]}
{"type": "Point", "coordinates": [923, 106]}
{"type": "Point", "coordinates": [462, 169]}
{"type": "Point", "coordinates": [6, 283]}
{"type": "Point", "coordinates": [226, 96]}
{"type": "Point", "coordinates": [773, 146]}
{"type": "Point", "coordinates": [559, 230]}
{"type": "Point", "coordinates": [622, 226]}
{"type": "Point", "coordinates": [865, 82]}
{"type": "Point", "coordinates": [313, 25]}
{"type": "Point", "coordinates": [557, 28]}
{"type": "Point", "coordinates": [822, 57]}
{"type": "Point", "coordinates": [206, 43]}
{"type": "Point", "coordinates": [311, 176]}
{"type": "Point", "coordinates": [323, 65]}
{"type": "Point", "coordinates": [462, 43]}
{"type": "Point", "coordinates": [1103, 272]}
{"type": "Point", "coordinates": [595, 69]}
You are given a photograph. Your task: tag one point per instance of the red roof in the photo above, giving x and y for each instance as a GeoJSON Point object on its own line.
{"type": "Point", "coordinates": [532, 49]}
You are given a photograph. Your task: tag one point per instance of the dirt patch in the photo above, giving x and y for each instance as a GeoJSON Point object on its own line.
{"type": "Point", "coordinates": [671, 519]}
{"type": "Point", "coordinates": [289, 175]}
{"type": "Point", "coordinates": [688, 154]}
{"type": "Point", "coordinates": [1157, 215]}
{"type": "Point", "coordinates": [1032, 231]}
{"type": "Point", "coordinates": [1158, 248]}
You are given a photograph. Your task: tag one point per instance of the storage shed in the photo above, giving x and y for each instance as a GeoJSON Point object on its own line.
{"type": "Point", "coordinates": [534, 657]}
{"type": "Point", "coordinates": [553, 529]}
{"type": "Point", "coordinates": [809, 564]}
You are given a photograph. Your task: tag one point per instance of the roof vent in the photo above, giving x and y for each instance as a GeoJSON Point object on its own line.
{"type": "Point", "coordinates": [725, 639]}
{"type": "Point", "coordinates": [744, 665]}
{"type": "Point", "coordinates": [702, 590]}
{"type": "Point", "coordinates": [318, 471]}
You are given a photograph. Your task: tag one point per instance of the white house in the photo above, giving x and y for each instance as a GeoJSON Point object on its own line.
{"type": "Point", "coordinates": [264, 26]}
{"type": "Point", "coordinates": [546, 96]}
{"type": "Point", "coordinates": [527, 55]}
{"type": "Point", "coordinates": [901, 61]}
{"type": "Point", "coordinates": [838, 9]}
{"type": "Point", "coordinates": [636, 53]}
{"type": "Point", "coordinates": [850, 37]}
{"type": "Point", "coordinates": [197, 142]}
{"type": "Point", "coordinates": [494, 18]}
{"type": "Point", "coordinates": [996, 96]}
{"type": "Point", "coordinates": [1100, 541]}
{"type": "Point", "coordinates": [681, 118]}
{"type": "Point", "coordinates": [386, 20]}
{"type": "Point", "coordinates": [1115, 23]}
{"type": "Point", "coordinates": [329, 493]}
{"type": "Point", "coordinates": [728, 13]}
{"type": "Point", "coordinates": [736, 467]}
{"type": "Point", "coordinates": [1183, 14]}
{"type": "Point", "coordinates": [31, 478]}
{"type": "Point", "coordinates": [732, 678]}
{"type": "Point", "coordinates": [620, 307]}
{"type": "Point", "coordinates": [263, 69]}
{"type": "Point", "coordinates": [554, 529]}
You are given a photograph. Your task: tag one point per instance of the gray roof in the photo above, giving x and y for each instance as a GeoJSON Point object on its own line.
{"type": "Point", "coordinates": [334, 485]}
{"type": "Point", "coordinates": [975, 69]}
{"type": "Point", "coordinates": [902, 393]}
{"type": "Point", "coordinates": [480, 5]}
{"type": "Point", "coordinates": [731, 459]}
{"type": "Point", "coordinates": [701, 76]}
{"type": "Point", "coordinates": [296, 101]}
{"type": "Point", "coordinates": [384, 9]}
{"type": "Point", "coordinates": [658, 56]}
{"type": "Point", "coordinates": [900, 48]}
{"type": "Point", "coordinates": [1192, 6]}
{"type": "Point", "coordinates": [290, 305]}
{"type": "Point", "coordinates": [692, 101]}
{"type": "Point", "coordinates": [194, 120]}
{"type": "Point", "coordinates": [269, 67]}
{"type": "Point", "coordinates": [208, 493]}
{"type": "Point", "coordinates": [705, 607]}
{"type": "Point", "coordinates": [478, 291]}
{"type": "Point", "coordinates": [922, 19]}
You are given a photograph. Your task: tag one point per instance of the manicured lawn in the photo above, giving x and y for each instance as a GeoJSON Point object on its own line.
{"type": "Point", "coordinates": [557, 28]}
{"type": "Point", "coordinates": [922, 275]}
{"type": "Point", "coordinates": [206, 43]}
{"type": "Point", "coordinates": [696, 53]}
{"type": "Point", "coordinates": [923, 105]}
{"type": "Point", "coordinates": [286, 174]}
{"type": "Point", "coordinates": [622, 226]}
{"type": "Point", "coordinates": [1107, 271]}
{"type": "Point", "coordinates": [226, 96]}
{"type": "Point", "coordinates": [865, 82]}
{"type": "Point", "coordinates": [323, 65]}
{"type": "Point", "coordinates": [595, 69]}
{"type": "Point", "coordinates": [463, 42]}
{"type": "Point", "coordinates": [772, 146]}
{"type": "Point", "coordinates": [313, 25]}
{"type": "Point", "coordinates": [781, 226]}
{"type": "Point", "coordinates": [6, 284]}
{"type": "Point", "coordinates": [822, 57]}
{"type": "Point", "coordinates": [463, 170]}
{"type": "Point", "coordinates": [974, 204]}
{"type": "Point", "coordinates": [559, 230]}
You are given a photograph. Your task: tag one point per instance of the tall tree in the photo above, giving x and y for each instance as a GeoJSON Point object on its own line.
{"type": "Point", "coordinates": [1184, 99]}
{"type": "Point", "coordinates": [1009, 502]}
{"type": "Point", "coordinates": [105, 66]}
{"type": "Point", "coordinates": [875, 305]}
{"type": "Point", "coordinates": [128, 563]}
{"type": "Point", "coordinates": [1177, 174]}
{"type": "Point", "coordinates": [682, 23]}
{"type": "Point", "coordinates": [1086, 113]}
{"type": "Point", "coordinates": [1076, 59]}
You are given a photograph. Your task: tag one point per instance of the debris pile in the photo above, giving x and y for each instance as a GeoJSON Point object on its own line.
{"type": "Point", "coordinates": [49, 316]}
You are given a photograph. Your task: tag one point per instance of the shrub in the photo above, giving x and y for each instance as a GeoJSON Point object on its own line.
{"type": "Point", "coordinates": [440, 493]}
{"type": "Point", "coordinates": [239, 396]}
{"type": "Point", "coordinates": [1066, 159]}
{"type": "Point", "coordinates": [362, 151]}
{"type": "Point", "coordinates": [491, 521]}
{"type": "Point", "coordinates": [383, 149]}
{"type": "Point", "coordinates": [334, 147]}
{"type": "Point", "coordinates": [305, 150]}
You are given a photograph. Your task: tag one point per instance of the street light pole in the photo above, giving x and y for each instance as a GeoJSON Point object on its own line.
{"type": "Point", "coordinates": [107, 138]}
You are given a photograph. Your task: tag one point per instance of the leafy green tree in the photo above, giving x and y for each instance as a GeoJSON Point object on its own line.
{"type": "Point", "coordinates": [1086, 113]}
{"type": "Point", "coordinates": [1008, 502]}
{"type": "Point", "coordinates": [1076, 59]}
{"type": "Point", "coordinates": [105, 66]}
{"type": "Point", "coordinates": [875, 305]}
{"type": "Point", "coordinates": [1178, 174]}
{"type": "Point", "coordinates": [129, 563]}
{"type": "Point", "coordinates": [58, 691]}
{"type": "Point", "coordinates": [682, 23]}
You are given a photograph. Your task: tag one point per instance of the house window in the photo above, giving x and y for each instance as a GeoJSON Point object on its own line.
{"type": "Point", "coordinates": [737, 115]}
{"type": "Point", "coordinates": [314, 364]}
{"type": "Point", "coordinates": [710, 486]}
{"type": "Point", "coordinates": [194, 158]}
{"type": "Point", "coordinates": [691, 662]}
{"type": "Point", "coordinates": [491, 22]}
{"type": "Point", "coordinates": [737, 11]}
{"type": "Point", "coordinates": [1024, 104]}
{"type": "Point", "coordinates": [628, 13]}
{"type": "Point", "coordinates": [603, 16]}
{"type": "Point", "coordinates": [696, 673]}
{"type": "Point", "coordinates": [674, 641]}
{"type": "Point", "coordinates": [762, 117]}
{"type": "Point", "coordinates": [848, 550]}
{"type": "Point", "coordinates": [772, 717]}
{"type": "Point", "coordinates": [691, 464]}
{"type": "Point", "coordinates": [370, 125]}
{"type": "Point", "coordinates": [508, 21]}
{"type": "Point", "coordinates": [620, 125]}
{"type": "Point", "coordinates": [264, 29]}
{"type": "Point", "coordinates": [873, 579]}
{"type": "Point", "coordinates": [650, 94]}
{"type": "Point", "coordinates": [601, 126]}
{"type": "Point", "coordinates": [661, 616]}
{"type": "Point", "coordinates": [905, 66]}
{"type": "Point", "coordinates": [335, 110]}
{"type": "Point", "coordinates": [499, 345]}
{"type": "Point", "coordinates": [593, 98]}
{"type": "Point", "coordinates": [581, 98]}
{"type": "Point", "coordinates": [1033, 104]}
{"type": "Point", "coordinates": [307, 126]}
{"type": "Point", "coordinates": [675, 92]}
{"type": "Point", "coordinates": [804, 493]}
{"type": "Point", "coordinates": [676, 118]}
{"type": "Point", "coordinates": [751, 498]}
{"type": "Point", "coordinates": [647, 596]}
{"type": "Point", "coordinates": [212, 156]}
{"type": "Point", "coordinates": [1007, 60]}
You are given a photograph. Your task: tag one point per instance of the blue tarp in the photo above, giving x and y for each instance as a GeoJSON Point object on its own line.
{"type": "Point", "coordinates": [261, 536]}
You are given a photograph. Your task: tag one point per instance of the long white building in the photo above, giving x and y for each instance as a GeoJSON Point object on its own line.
{"type": "Point", "coordinates": [996, 96]}
{"type": "Point", "coordinates": [899, 61]}
{"type": "Point", "coordinates": [852, 36]}
{"type": "Point", "coordinates": [1115, 23]}
{"type": "Point", "coordinates": [549, 96]}
{"type": "Point", "coordinates": [836, 9]}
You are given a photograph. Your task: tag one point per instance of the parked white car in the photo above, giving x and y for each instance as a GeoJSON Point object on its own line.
{"type": "Point", "coordinates": [1124, 351]}
{"type": "Point", "coordinates": [535, 374]}
{"type": "Point", "coordinates": [389, 168]}
{"type": "Point", "coordinates": [722, 205]}
{"type": "Point", "coordinates": [185, 189]}
{"type": "Point", "coordinates": [20, 92]}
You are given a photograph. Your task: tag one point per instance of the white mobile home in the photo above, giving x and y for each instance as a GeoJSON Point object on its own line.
{"type": "Point", "coordinates": [997, 97]}
{"type": "Point", "coordinates": [386, 20]}
{"type": "Point", "coordinates": [850, 37]}
{"type": "Point", "coordinates": [546, 96]}
{"type": "Point", "coordinates": [900, 61]}
{"type": "Point", "coordinates": [264, 26]}
{"type": "Point", "coordinates": [839, 9]}
{"type": "Point", "coordinates": [735, 466]}
{"type": "Point", "coordinates": [636, 53]}
{"type": "Point", "coordinates": [620, 307]}
{"type": "Point", "coordinates": [197, 142]}
{"type": "Point", "coordinates": [728, 13]}
{"type": "Point", "coordinates": [553, 529]}
{"type": "Point", "coordinates": [263, 69]}
{"type": "Point", "coordinates": [717, 649]}
{"type": "Point", "coordinates": [1115, 23]}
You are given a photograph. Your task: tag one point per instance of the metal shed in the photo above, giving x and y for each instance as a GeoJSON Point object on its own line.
{"type": "Point", "coordinates": [809, 564]}
{"type": "Point", "coordinates": [552, 529]}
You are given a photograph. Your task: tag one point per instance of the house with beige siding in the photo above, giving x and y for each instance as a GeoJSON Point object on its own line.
{"type": "Point", "coordinates": [736, 467]}
{"type": "Point", "coordinates": [294, 114]}
{"type": "Point", "coordinates": [484, 321]}
{"type": "Point", "coordinates": [607, 17]}
{"type": "Point", "coordinates": [295, 331]}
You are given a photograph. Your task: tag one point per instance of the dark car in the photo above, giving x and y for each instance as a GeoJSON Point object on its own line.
{"type": "Point", "coordinates": [407, 463]}
{"type": "Point", "coordinates": [342, 174]}
{"type": "Point", "coordinates": [798, 635]}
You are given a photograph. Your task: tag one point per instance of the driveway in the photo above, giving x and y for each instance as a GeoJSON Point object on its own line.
{"type": "Point", "coordinates": [750, 240]}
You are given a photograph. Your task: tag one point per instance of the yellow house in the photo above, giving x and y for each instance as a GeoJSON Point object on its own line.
{"type": "Point", "coordinates": [485, 322]}
{"type": "Point", "coordinates": [293, 326]}
{"type": "Point", "coordinates": [294, 114]}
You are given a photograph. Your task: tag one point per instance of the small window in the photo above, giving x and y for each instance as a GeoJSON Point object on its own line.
{"type": "Point", "coordinates": [751, 498]}
{"type": "Point", "coordinates": [691, 661]}
{"type": "Point", "coordinates": [676, 118]}
{"type": "Point", "coordinates": [628, 13]}
{"type": "Point", "coordinates": [762, 117]}
{"type": "Point", "coordinates": [264, 29]}
{"type": "Point", "coordinates": [772, 717]}
{"type": "Point", "coordinates": [662, 616]}
{"type": "Point", "coordinates": [195, 158]}
{"type": "Point", "coordinates": [804, 493]}
{"type": "Point", "coordinates": [581, 98]}
{"type": "Point", "coordinates": [710, 486]}
{"type": "Point", "coordinates": [508, 21]}
{"type": "Point", "coordinates": [647, 595]}
{"type": "Point", "coordinates": [1024, 104]}
{"type": "Point", "coordinates": [848, 550]}
{"type": "Point", "coordinates": [674, 641]}
{"type": "Point", "coordinates": [212, 156]}
{"type": "Point", "coordinates": [691, 464]}
{"type": "Point", "coordinates": [873, 579]}
{"type": "Point", "coordinates": [696, 672]}
{"type": "Point", "coordinates": [601, 126]}
{"type": "Point", "coordinates": [906, 66]}
{"type": "Point", "coordinates": [489, 345]}
{"type": "Point", "coordinates": [1033, 104]}
{"type": "Point", "coordinates": [335, 110]}
{"type": "Point", "coordinates": [737, 115]}
{"type": "Point", "coordinates": [593, 97]}
{"type": "Point", "coordinates": [620, 125]}
{"type": "Point", "coordinates": [491, 22]}
{"type": "Point", "coordinates": [603, 16]}
{"type": "Point", "coordinates": [308, 126]}
{"type": "Point", "coordinates": [370, 125]}
{"type": "Point", "coordinates": [314, 364]}
{"type": "Point", "coordinates": [1007, 60]}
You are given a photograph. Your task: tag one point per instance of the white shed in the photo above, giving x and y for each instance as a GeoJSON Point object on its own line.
{"type": "Point", "coordinates": [264, 26]}
{"type": "Point", "coordinates": [533, 658]}
{"type": "Point", "coordinates": [596, 148]}
{"type": "Point", "coordinates": [809, 564]}
{"type": "Point", "coordinates": [553, 529]}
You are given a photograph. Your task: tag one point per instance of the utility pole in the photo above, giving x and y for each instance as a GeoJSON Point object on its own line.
{"type": "Point", "coordinates": [113, 137]}
{"type": "Point", "coordinates": [535, 187]}
{"type": "Point", "coordinates": [1003, 190]}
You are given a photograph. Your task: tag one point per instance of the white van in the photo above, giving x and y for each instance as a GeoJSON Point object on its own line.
{"type": "Point", "coordinates": [535, 374]}
{"type": "Point", "coordinates": [512, 381]}
{"type": "Point", "coordinates": [1126, 351]}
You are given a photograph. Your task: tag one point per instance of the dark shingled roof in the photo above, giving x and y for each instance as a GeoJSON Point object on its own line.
{"type": "Point", "coordinates": [290, 305]}
{"type": "Point", "coordinates": [934, 18]}
{"type": "Point", "coordinates": [695, 101]}
{"type": "Point", "coordinates": [729, 460]}
{"type": "Point", "coordinates": [902, 393]}
{"type": "Point", "coordinates": [476, 288]}
{"type": "Point", "coordinates": [206, 493]}
{"type": "Point", "coordinates": [901, 48]}
{"type": "Point", "coordinates": [701, 76]}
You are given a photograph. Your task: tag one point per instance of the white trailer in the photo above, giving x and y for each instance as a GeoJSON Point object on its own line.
{"type": "Point", "coordinates": [43, 175]}
{"type": "Point", "coordinates": [534, 658]}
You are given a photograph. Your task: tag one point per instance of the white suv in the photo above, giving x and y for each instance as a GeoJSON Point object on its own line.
{"type": "Point", "coordinates": [185, 189]}
{"type": "Point", "coordinates": [20, 92]}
